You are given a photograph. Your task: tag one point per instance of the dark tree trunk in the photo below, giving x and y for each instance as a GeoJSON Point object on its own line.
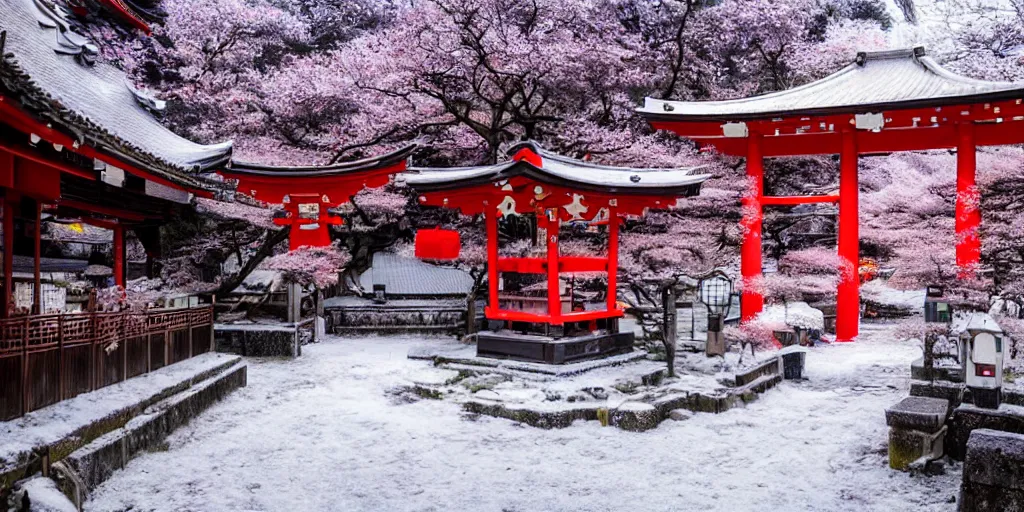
{"type": "Point", "coordinates": [266, 250]}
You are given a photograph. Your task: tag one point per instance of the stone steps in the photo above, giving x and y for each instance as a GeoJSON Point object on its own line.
{"type": "Point", "coordinates": [84, 458]}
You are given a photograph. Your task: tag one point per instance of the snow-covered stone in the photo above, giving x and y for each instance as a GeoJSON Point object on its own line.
{"type": "Point", "coordinates": [679, 415]}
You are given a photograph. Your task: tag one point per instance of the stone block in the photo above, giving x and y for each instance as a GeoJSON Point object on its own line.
{"type": "Point", "coordinates": [946, 390]}
{"type": "Point", "coordinates": [907, 446]}
{"type": "Point", "coordinates": [679, 415]}
{"type": "Point", "coordinates": [993, 478]}
{"type": "Point", "coordinates": [918, 413]}
{"type": "Point", "coordinates": [968, 418]}
{"type": "Point", "coordinates": [635, 416]}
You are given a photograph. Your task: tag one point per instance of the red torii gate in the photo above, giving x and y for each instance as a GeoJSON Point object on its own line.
{"type": "Point", "coordinates": [308, 192]}
{"type": "Point", "coordinates": [557, 189]}
{"type": "Point", "coordinates": [882, 102]}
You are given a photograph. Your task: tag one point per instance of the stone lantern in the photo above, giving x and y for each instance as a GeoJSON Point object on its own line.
{"type": "Point", "coordinates": [936, 306]}
{"type": "Point", "coordinates": [981, 347]}
{"type": "Point", "coordinates": [716, 293]}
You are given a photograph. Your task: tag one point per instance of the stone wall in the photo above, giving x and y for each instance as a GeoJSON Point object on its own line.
{"type": "Point", "coordinates": [259, 340]}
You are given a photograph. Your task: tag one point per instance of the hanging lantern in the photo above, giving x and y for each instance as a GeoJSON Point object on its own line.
{"type": "Point", "coordinates": [437, 244]}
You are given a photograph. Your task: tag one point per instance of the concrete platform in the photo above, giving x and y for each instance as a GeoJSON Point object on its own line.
{"type": "Point", "coordinates": [550, 350]}
{"type": "Point", "coordinates": [83, 440]}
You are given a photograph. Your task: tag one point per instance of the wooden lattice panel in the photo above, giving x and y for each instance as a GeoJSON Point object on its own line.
{"type": "Point", "coordinates": [109, 327]}
{"type": "Point", "coordinates": [12, 335]}
{"type": "Point", "coordinates": [200, 316]}
{"type": "Point", "coordinates": [169, 321]}
{"type": "Point", "coordinates": [77, 329]}
{"type": "Point", "coordinates": [135, 325]}
{"type": "Point", "coordinates": [43, 331]}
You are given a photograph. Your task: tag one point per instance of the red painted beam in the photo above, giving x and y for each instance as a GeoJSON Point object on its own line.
{"type": "Point", "coordinates": [524, 265]}
{"type": "Point", "coordinates": [795, 200]}
{"type": "Point", "coordinates": [26, 123]}
{"type": "Point", "coordinates": [538, 318]}
{"type": "Point", "coordinates": [888, 140]}
{"type": "Point", "coordinates": [60, 166]}
{"type": "Point", "coordinates": [102, 210]}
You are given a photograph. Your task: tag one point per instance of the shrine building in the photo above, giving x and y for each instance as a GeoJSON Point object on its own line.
{"type": "Point", "coordinates": [80, 145]}
{"type": "Point", "coordinates": [882, 102]}
{"type": "Point", "coordinates": [556, 190]}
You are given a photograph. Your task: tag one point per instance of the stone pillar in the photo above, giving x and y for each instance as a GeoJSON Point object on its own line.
{"type": "Point", "coordinates": [917, 430]}
{"type": "Point", "coordinates": [993, 479]}
{"type": "Point", "coordinates": [294, 302]}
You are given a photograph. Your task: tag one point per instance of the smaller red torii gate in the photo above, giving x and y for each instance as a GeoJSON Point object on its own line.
{"type": "Point", "coordinates": [883, 102]}
{"type": "Point", "coordinates": [307, 193]}
{"type": "Point", "coordinates": [556, 189]}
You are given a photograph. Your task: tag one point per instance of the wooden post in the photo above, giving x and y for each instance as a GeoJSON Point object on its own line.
{"type": "Point", "coordinates": [848, 298]}
{"type": "Point", "coordinates": [554, 297]}
{"type": "Point", "coordinates": [25, 380]}
{"type": "Point", "coordinates": [61, 387]}
{"type": "Point", "coordinates": [119, 255]}
{"type": "Point", "coordinates": [10, 203]}
{"type": "Point", "coordinates": [968, 211]}
{"type": "Point", "coordinates": [491, 218]}
{"type": "Point", "coordinates": [669, 327]}
{"type": "Point", "coordinates": [471, 314]}
{"type": "Point", "coordinates": [37, 290]}
{"type": "Point", "coordinates": [751, 302]}
{"type": "Point", "coordinates": [613, 256]}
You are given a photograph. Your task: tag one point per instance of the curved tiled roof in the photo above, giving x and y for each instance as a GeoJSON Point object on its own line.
{"type": "Point", "coordinates": [874, 81]}
{"type": "Point", "coordinates": [366, 164]}
{"type": "Point", "coordinates": [52, 71]}
{"type": "Point", "coordinates": [561, 170]}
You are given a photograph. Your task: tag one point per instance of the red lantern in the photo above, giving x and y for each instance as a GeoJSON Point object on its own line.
{"type": "Point", "coordinates": [437, 244]}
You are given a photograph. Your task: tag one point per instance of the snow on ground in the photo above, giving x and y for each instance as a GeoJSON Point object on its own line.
{"type": "Point", "coordinates": [320, 433]}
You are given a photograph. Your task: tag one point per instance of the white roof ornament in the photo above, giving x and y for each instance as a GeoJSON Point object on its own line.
{"type": "Point", "coordinates": [737, 130]}
{"type": "Point", "coordinates": [873, 122]}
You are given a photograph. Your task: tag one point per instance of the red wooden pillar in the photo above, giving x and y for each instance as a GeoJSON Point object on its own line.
{"type": "Point", "coordinates": [751, 302]}
{"type": "Point", "coordinates": [554, 297]}
{"type": "Point", "coordinates": [491, 217]}
{"type": "Point", "coordinates": [119, 255]}
{"type": "Point", "coordinates": [848, 299]}
{"type": "Point", "coordinates": [613, 255]}
{"type": "Point", "coordinates": [37, 287]}
{"type": "Point", "coordinates": [968, 208]}
{"type": "Point", "coordinates": [10, 204]}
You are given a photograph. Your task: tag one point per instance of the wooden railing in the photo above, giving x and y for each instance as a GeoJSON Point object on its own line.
{"type": "Point", "coordinates": [45, 359]}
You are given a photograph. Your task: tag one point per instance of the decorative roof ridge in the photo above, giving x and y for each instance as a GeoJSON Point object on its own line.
{"type": "Point", "coordinates": [537, 148]}
{"type": "Point", "coordinates": [898, 53]}
{"type": "Point", "coordinates": [377, 161]}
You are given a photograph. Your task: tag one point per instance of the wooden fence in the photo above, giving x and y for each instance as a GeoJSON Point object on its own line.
{"type": "Point", "coordinates": [48, 358]}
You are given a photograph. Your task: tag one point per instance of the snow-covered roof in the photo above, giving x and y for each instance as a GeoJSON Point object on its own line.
{"type": "Point", "coordinates": [974, 321]}
{"type": "Point", "coordinates": [412, 277]}
{"type": "Point", "coordinates": [366, 164]}
{"type": "Point", "coordinates": [561, 170]}
{"type": "Point", "coordinates": [874, 81]}
{"type": "Point", "coordinates": [26, 264]}
{"type": "Point", "coordinates": [53, 72]}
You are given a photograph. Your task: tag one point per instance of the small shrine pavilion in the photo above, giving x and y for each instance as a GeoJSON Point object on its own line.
{"type": "Point", "coordinates": [79, 144]}
{"type": "Point", "coordinates": [882, 102]}
{"type": "Point", "coordinates": [309, 192]}
{"type": "Point", "coordinates": [557, 190]}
